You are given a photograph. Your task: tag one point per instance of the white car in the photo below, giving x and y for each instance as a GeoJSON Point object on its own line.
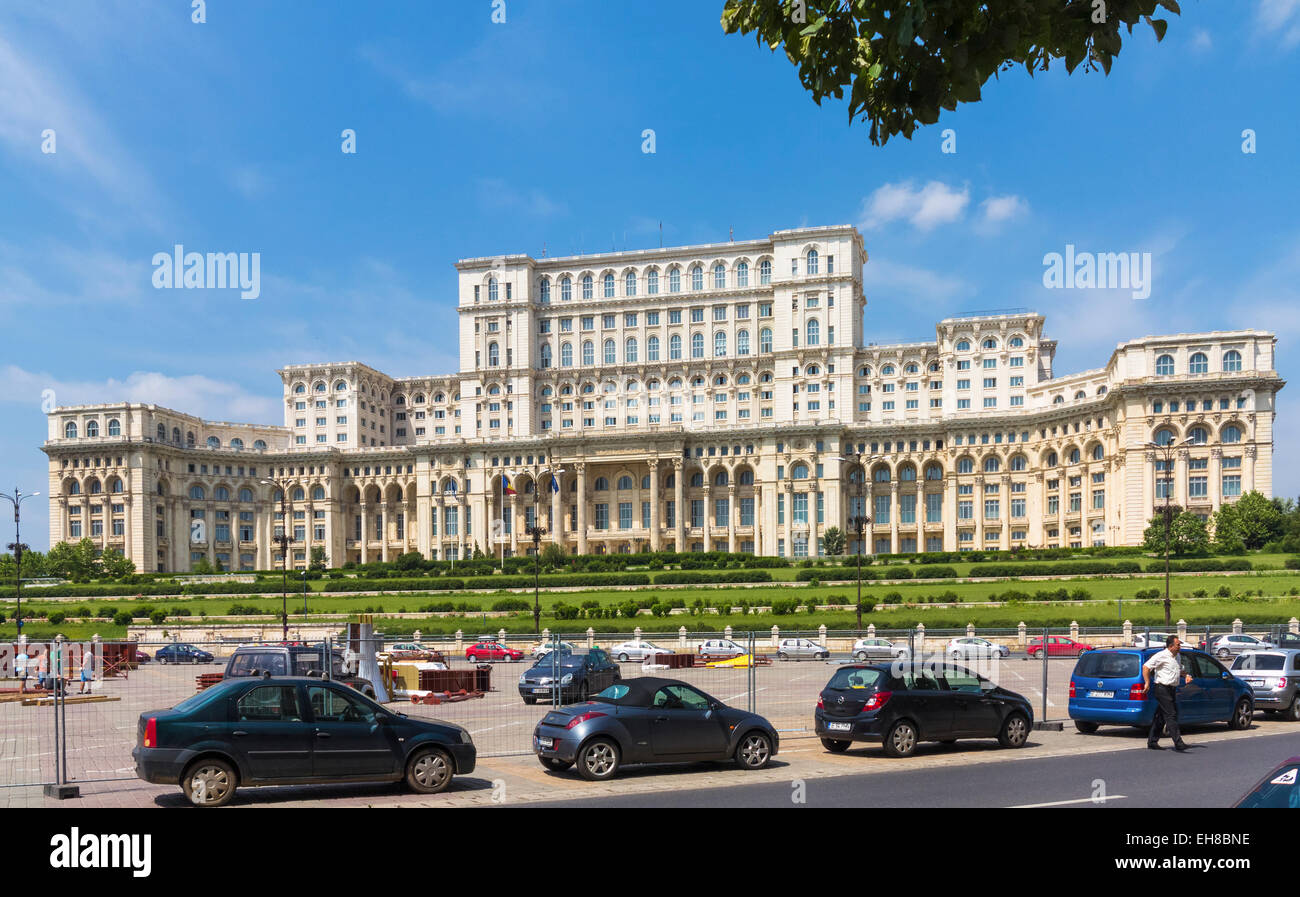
{"type": "Point", "coordinates": [635, 650]}
{"type": "Point", "coordinates": [968, 648]}
{"type": "Point", "coordinates": [801, 649]}
{"type": "Point", "coordinates": [1157, 640]}
{"type": "Point", "coordinates": [879, 649]}
{"type": "Point", "coordinates": [723, 647]}
{"type": "Point", "coordinates": [544, 648]}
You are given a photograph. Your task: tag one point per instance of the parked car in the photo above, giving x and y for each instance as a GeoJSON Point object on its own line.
{"type": "Point", "coordinates": [651, 720]}
{"type": "Point", "coordinates": [1106, 689]}
{"type": "Point", "coordinates": [901, 706]}
{"type": "Point", "coordinates": [480, 651]}
{"type": "Point", "coordinates": [181, 652]}
{"type": "Point", "coordinates": [1285, 639]}
{"type": "Point", "coordinates": [1278, 789]}
{"type": "Point", "coordinates": [879, 649]}
{"type": "Point", "coordinates": [141, 656]}
{"type": "Point", "coordinates": [294, 659]}
{"type": "Point", "coordinates": [722, 647]}
{"type": "Point", "coordinates": [970, 648]}
{"type": "Point", "coordinates": [1057, 646]}
{"type": "Point", "coordinates": [636, 650]}
{"type": "Point", "coordinates": [293, 730]}
{"type": "Point", "coordinates": [1157, 640]}
{"type": "Point", "coordinates": [1274, 678]}
{"type": "Point", "coordinates": [1225, 646]}
{"type": "Point", "coordinates": [801, 649]}
{"type": "Point", "coordinates": [543, 648]}
{"type": "Point", "coordinates": [408, 651]}
{"type": "Point", "coordinates": [578, 675]}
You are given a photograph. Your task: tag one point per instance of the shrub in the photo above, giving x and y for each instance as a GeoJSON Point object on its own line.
{"type": "Point", "coordinates": [563, 611]}
{"type": "Point", "coordinates": [511, 604]}
{"type": "Point", "coordinates": [122, 618]}
{"type": "Point", "coordinates": [57, 617]}
{"type": "Point", "coordinates": [158, 616]}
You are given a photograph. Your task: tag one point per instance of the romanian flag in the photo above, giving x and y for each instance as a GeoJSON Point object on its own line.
{"type": "Point", "coordinates": [506, 488]}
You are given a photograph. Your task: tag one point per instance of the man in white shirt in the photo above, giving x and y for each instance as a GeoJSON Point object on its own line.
{"type": "Point", "coordinates": [1167, 669]}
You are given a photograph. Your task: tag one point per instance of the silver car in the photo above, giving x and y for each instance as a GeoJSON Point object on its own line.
{"type": "Point", "coordinates": [1273, 676]}
{"type": "Point", "coordinates": [966, 648]}
{"type": "Point", "coordinates": [879, 649]}
{"type": "Point", "coordinates": [636, 650]}
{"type": "Point", "coordinates": [801, 649]}
{"type": "Point", "coordinates": [1224, 646]}
{"type": "Point", "coordinates": [722, 647]}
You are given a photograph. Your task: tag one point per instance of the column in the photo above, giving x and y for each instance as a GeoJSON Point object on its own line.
{"type": "Point", "coordinates": [436, 529]}
{"type": "Point", "coordinates": [1004, 506]}
{"type": "Point", "coordinates": [513, 511]}
{"type": "Point", "coordinates": [732, 511]}
{"type": "Point", "coordinates": [388, 530]}
{"type": "Point", "coordinates": [462, 510]}
{"type": "Point", "coordinates": [893, 515]}
{"type": "Point", "coordinates": [759, 529]}
{"type": "Point", "coordinates": [582, 508]}
{"type": "Point", "coordinates": [1034, 508]}
{"type": "Point", "coordinates": [556, 524]}
{"type": "Point", "coordinates": [679, 498]}
{"type": "Point", "coordinates": [365, 532]}
{"type": "Point", "coordinates": [1216, 478]}
{"type": "Point", "coordinates": [424, 532]}
{"type": "Point", "coordinates": [1249, 479]}
{"type": "Point", "coordinates": [654, 505]}
{"type": "Point", "coordinates": [708, 515]}
{"type": "Point", "coordinates": [788, 531]}
{"type": "Point", "coordinates": [950, 512]}
{"type": "Point", "coordinates": [489, 519]}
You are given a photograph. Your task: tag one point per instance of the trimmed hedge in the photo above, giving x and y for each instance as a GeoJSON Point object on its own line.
{"type": "Point", "coordinates": [1074, 568]}
{"type": "Point", "coordinates": [690, 577]}
{"type": "Point", "coordinates": [923, 571]}
{"type": "Point", "coordinates": [1206, 565]}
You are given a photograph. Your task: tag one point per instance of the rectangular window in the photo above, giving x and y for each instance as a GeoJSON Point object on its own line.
{"type": "Point", "coordinates": [602, 515]}
{"type": "Point", "coordinates": [933, 507]}
{"type": "Point", "coordinates": [1231, 485]}
{"type": "Point", "coordinates": [721, 510]}
{"type": "Point", "coordinates": [625, 515]}
{"type": "Point", "coordinates": [881, 517]}
{"type": "Point", "coordinates": [1017, 507]}
{"type": "Point", "coordinates": [670, 513]}
{"type": "Point", "coordinates": [907, 508]}
{"type": "Point", "coordinates": [799, 508]}
{"type": "Point", "coordinates": [697, 513]}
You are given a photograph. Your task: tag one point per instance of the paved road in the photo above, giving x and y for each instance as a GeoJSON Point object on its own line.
{"type": "Point", "coordinates": [1215, 773]}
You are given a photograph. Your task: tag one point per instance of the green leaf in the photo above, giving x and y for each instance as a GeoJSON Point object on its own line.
{"type": "Point", "coordinates": [1160, 26]}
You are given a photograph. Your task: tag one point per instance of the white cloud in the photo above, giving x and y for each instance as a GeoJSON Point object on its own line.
{"type": "Point", "coordinates": [1281, 19]}
{"type": "Point", "coordinates": [1201, 41]}
{"type": "Point", "coordinates": [190, 394]}
{"type": "Point", "coordinates": [249, 181]}
{"type": "Point", "coordinates": [925, 208]}
{"type": "Point", "coordinates": [1003, 208]}
{"type": "Point", "coordinates": [495, 193]}
{"type": "Point", "coordinates": [888, 282]}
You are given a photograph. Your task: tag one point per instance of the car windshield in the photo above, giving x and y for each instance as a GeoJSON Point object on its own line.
{"type": "Point", "coordinates": [855, 677]}
{"type": "Point", "coordinates": [1259, 662]}
{"type": "Point", "coordinates": [1101, 665]}
{"type": "Point", "coordinates": [613, 693]}
{"type": "Point", "coordinates": [1280, 790]}
{"type": "Point", "coordinates": [193, 702]}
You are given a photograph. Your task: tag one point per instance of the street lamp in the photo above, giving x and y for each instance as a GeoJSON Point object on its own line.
{"type": "Point", "coordinates": [859, 522]}
{"type": "Point", "coordinates": [304, 592]}
{"type": "Point", "coordinates": [1167, 450]}
{"type": "Point", "coordinates": [283, 539]}
{"type": "Point", "coordinates": [536, 531]}
{"type": "Point", "coordinates": [17, 547]}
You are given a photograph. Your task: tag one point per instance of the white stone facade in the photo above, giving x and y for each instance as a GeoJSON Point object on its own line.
{"type": "Point", "coordinates": [693, 398]}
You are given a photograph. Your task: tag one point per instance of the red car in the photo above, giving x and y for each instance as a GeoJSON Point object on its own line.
{"type": "Point", "coordinates": [491, 651]}
{"type": "Point", "coordinates": [1057, 646]}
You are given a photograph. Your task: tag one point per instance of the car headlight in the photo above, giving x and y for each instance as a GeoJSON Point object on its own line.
{"type": "Point", "coordinates": [522, 677]}
{"type": "Point", "coordinates": [567, 679]}
{"type": "Point", "coordinates": [465, 737]}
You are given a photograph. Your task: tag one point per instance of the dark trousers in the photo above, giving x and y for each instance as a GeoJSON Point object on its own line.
{"type": "Point", "coordinates": [1166, 717]}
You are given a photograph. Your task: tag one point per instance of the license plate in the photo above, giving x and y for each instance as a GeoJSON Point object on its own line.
{"type": "Point", "coordinates": [1101, 694]}
{"type": "Point", "coordinates": [1255, 682]}
{"type": "Point", "coordinates": [541, 691]}
{"type": "Point", "coordinates": [546, 743]}
{"type": "Point", "coordinates": [839, 727]}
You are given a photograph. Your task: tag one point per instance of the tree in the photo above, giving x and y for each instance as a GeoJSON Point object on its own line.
{"type": "Point", "coordinates": [553, 556]}
{"type": "Point", "coordinates": [75, 560]}
{"type": "Point", "coordinates": [1229, 534]}
{"type": "Point", "coordinates": [1261, 520]}
{"type": "Point", "coordinates": [834, 540]}
{"type": "Point", "coordinates": [201, 566]}
{"type": "Point", "coordinates": [34, 564]}
{"type": "Point", "coordinates": [1187, 533]}
{"type": "Point", "coordinates": [904, 62]}
{"type": "Point", "coordinates": [319, 561]}
{"type": "Point", "coordinates": [116, 564]}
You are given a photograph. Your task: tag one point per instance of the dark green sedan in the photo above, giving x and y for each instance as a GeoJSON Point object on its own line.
{"type": "Point", "coordinates": [292, 731]}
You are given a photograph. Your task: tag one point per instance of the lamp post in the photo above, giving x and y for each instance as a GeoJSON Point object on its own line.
{"type": "Point", "coordinates": [17, 547]}
{"type": "Point", "coordinates": [536, 531]}
{"type": "Point", "coordinates": [860, 522]}
{"type": "Point", "coordinates": [1167, 451]}
{"type": "Point", "coordinates": [283, 539]}
{"type": "Point", "coordinates": [304, 592]}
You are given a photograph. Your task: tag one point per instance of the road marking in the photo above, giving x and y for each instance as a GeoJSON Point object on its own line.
{"type": "Point", "coordinates": [490, 728]}
{"type": "Point", "coordinates": [1061, 803]}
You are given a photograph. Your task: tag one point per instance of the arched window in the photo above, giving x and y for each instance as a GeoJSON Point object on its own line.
{"type": "Point", "coordinates": [881, 475]}
{"type": "Point", "coordinates": [70, 430]}
{"type": "Point", "coordinates": [907, 474]}
{"type": "Point", "coordinates": [299, 389]}
{"type": "Point", "coordinates": [318, 493]}
{"type": "Point", "coordinates": [341, 386]}
{"type": "Point", "coordinates": [652, 282]}
{"type": "Point", "coordinates": [1059, 400]}
{"type": "Point", "coordinates": [720, 380]}
{"type": "Point", "coordinates": [814, 332]}
{"type": "Point", "coordinates": [674, 347]}
{"type": "Point", "coordinates": [933, 472]}
{"type": "Point", "coordinates": [588, 352]}
{"type": "Point", "coordinates": [629, 350]}
{"type": "Point", "coordinates": [624, 482]}
{"type": "Point", "coordinates": [1164, 436]}
{"type": "Point", "coordinates": [887, 371]}
{"type": "Point", "coordinates": [609, 286]}
{"type": "Point", "coordinates": [214, 442]}
{"type": "Point", "coordinates": [1051, 459]}
{"type": "Point", "coordinates": [197, 492]}
{"type": "Point", "coordinates": [1098, 453]}
{"type": "Point", "coordinates": [697, 278]}
{"type": "Point", "coordinates": [94, 486]}
{"type": "Point", "coordinates": [1080, 395]}
{"type": "Point", "coordinates": [602, 484]}
{"type": "Point", "coordinates": [697, 479]}
{"type": "Point", "coordinates": [221, 493]}
{"type": "Point", "coordinates": [319, 387]}
{"type": "Point", "coordinates": [162, 433]}
{"type": "Point", "coordinates": [963, 345]}
{"type": "Point", "coordinates": [742, 342]}
{"type": "Point", "coordinates": [670, 481]}
{"type": "Point", "coordinates": [237, 444]}
{"type": "Point", "coordinates": [74, 488]}
{"type": "Point", "coordinates": [1017, 342]}
{"type": "Point", "coordinates": [115, 486]}
{"type": "Point", "coordinates": [1199, 363]}
{"type": "Point", "coordinates": [586, 286]}
{"type": "Point", "coordinates": [720, 479]}
{"type": "Point", "coordinates": [719, 344]}
{"type": "Point", "coordinates": [92, 428]}
{"type": "Point", "coordinates": [1018, 463]}
{"type": "Point", "coordinates": [494, 355]}
{"type": "Point", "coordinates": [812, 261]}
{"type": "Point", "coordinates": [260, 445]}
{"type": "Point", "coordinates": [799, 471]}
{"type": "Point", "coordinates": [645, 482]}
{"type": "Point", "coordinates": [1165, 366]}
{"type": "Point", "coordinates": [992, 465]}
{"type": "Point", "coordinates": [652, 349]}
{"type": "Point", "coordinates": [566, 355]}
{"type": "Point", "coordinates": [747, 478]}
{"type": "Point", "coordinates": [742, 380]}
{"type": "Point", "coordinates": [965, 465]}
{"type": "Point", "coordinates": [189, 438]}
{"type": "Point", "coordinates": [912, 369]}
{"type": "Point", "coordinates": [765, 271]}
{"type": "Point", "coordinates": [1232, 360]}
{"type": "Point", "coordinates": [629, 283]}
{"type": "Point", "coordinates": [298, 494]}
{"type": "Point", "coordinates": [245, 494]}
{"type": "Point", "coordinates": [1198, 436]}
{"type": "Point", "coordinates": [765, 340]}
{"type": "Point", "coordinates": [545, 291]}
{"type": "Point", "coordinates": [812, 370]}
{"type": "Point", "coordinates": [719, 276]}
{"type": "Point", "coordinates": [176, 435]}
{"type": "Point", "coordinates": [566, 289]}
{"type": "Point", "coordinates": [1075, 457]}
{"type": "Point", "coordinates": [742, 274]}
{"type": "Point", "coordinates": [1101, 390]}
{"type": "Point", "coordinates": [675, 280]}
{"type": "Point", "coordinates": [611, 352]}
{"type": "Point", "coordinates": [1230, 433]}
{"type": "Point", "coordinates": [492, 289]}
{"type": "Point", "coordinates": [989, 343]}
{"type": "Point", "coordinates": [697, 345]}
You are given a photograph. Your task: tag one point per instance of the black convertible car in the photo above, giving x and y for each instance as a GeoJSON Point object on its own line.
{"type": "Point", "coordinates": [651, 720]}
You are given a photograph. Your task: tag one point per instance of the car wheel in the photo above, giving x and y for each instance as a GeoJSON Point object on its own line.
{"type": "Point", "coordinates": [1292, 713]}
{"type": "Point", "coordinates": [429, 771]}
{"type": "Point", "coordinates": [622, 658]}
{"type": "Point", "coordinates": [1242, 715]}
{"type": "Point", "coordinates": [209, 782]}
{"type": "Point", "coordinates": [1223, 653]}
{"type": "Point", "coordinates": [861, 655]}
{"type": "Point", "coordinates": [825, 655]}
{"type": "Point", "coordinates": [555, 764]}
{"type": "Point", "coordinates": [598, 760]}
{"type": "Point", "coordinates": [834, 746]}
{"type": "Point", "coordinates": [754, 751]}
{"type": "Point", "coordinates": [1015, 731]}
{"type": "Point", "coordinates": [1037, 654]}
{"type": "Point", "coordinates": [530, 701]}
{"type": "Point", "coordinates": [900, 741]}
{"type": "Point", "coordinates": [1085, 727]}
{"type": "Point", "coordinates": [781, 655]}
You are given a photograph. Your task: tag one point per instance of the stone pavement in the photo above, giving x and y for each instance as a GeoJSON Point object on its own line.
{"type": "Point", "coordinates": [518, 781]}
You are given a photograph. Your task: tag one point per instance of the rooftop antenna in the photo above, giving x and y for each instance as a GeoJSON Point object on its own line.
{"type": "Point", "coordinates": [661, 235]}
{"type": "Point", "coordinates": [543, 249]}
{"type": "Point", "coordinates": [731, 234]}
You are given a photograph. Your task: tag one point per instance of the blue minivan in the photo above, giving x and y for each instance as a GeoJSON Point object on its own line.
{"type": "Point", "coordinates": [1106, 690]}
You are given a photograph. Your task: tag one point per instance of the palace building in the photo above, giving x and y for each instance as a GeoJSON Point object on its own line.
{"type": "Point", "coordinates": [720, 396]}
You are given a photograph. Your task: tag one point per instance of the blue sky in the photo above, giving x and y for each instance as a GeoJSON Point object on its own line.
{"type": "Point", "coordinates": [476, 138]}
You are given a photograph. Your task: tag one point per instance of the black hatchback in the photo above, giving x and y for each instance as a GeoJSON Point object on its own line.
{"type": "Point", "coordinates": [901, 705]}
